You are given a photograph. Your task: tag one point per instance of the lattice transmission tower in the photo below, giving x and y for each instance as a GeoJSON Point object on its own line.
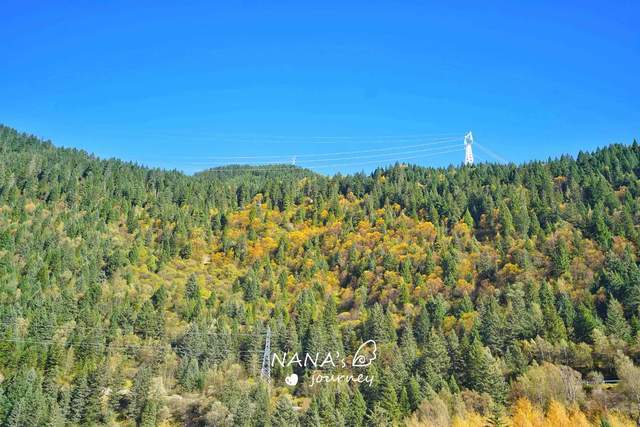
{"type": "Point", "coordinates": [468, 150]}
{"type": "Point", "coordinates": [265, 372]}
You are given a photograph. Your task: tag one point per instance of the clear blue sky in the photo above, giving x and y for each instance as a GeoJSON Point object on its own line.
{"type": "Point", "coordinates": [180, 84]}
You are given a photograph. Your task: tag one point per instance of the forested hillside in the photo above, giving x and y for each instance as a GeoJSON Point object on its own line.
{"type": "Point", "coordinates": [496, 294]}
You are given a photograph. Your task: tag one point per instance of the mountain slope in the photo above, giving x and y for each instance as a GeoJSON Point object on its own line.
{"type": "Point", "coordinates": [130, 293]}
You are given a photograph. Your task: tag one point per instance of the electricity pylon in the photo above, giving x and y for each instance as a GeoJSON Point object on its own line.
{"type": "Point", "coordinates": [468, 151]}
{"type": "Point", "coordinates": [265, 372]}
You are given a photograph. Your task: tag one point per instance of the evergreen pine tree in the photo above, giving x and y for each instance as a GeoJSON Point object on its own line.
{"type": "Point", "coordinates": [149, 414]}
{"type": "Point", "coordinates": [283, 415]}
{"type": "Point", "coordinates": [616, 324]}
{"type": "Point", "coordinates": [189, 373]}
{"type": "Point", "coordinates": [311, 417]}
{"type": "Point", "coordinates": [482, 373]}
{"type": "Point", "coordinates": [560, 257]}
{"type": "Point", "coordinates": [403, 403]}
{"type": "Point", "coordinates": [388, 399]}
{"type": "Point", "coordinates": [437, 308]}
{"type": "Point", "coordinates": [422, 326]}
{"type": "Point", "coordinates": [376, 325]}
{"type": "Point", "coordinates": [554, 329]}
{"type": "Point", "coordinates": [408, 346]}
{"type": "Point", "coordinates": [584, 324]}
{"type": "Point", "coordinates": [414, 393]}
{"type": "Point", "coordinates": [435, 362]}
{"type": "Point", "coordinates": [79, 397]}
{"type": "Point", "coordinates": [491, 325]}
{"type": "Point", "coordinates": [93, 407]}
{"type": "Point", "coordinates": [357, 410]}
{"type": "Point", "coordinates": [453, 385]}
{"type": "Point", "coordinates": [139, 392]}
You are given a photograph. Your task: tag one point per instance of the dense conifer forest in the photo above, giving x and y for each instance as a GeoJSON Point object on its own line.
{"type": "Point", "coordinates": [496, 294]}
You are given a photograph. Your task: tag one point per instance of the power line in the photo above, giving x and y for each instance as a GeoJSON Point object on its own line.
{"type": "Point", "coordinates": [117, 346]}
{"type": "Point", "coordinates": [491, 153]}
{"type": "Point", "coordinates": [255, 168]}
{"type": "Point", "coordinates": [83, 328]}
{"type": "Point", "coordinates": [397, 159]}
{"type": "Point", "coordinates": [43, 328]}
{"type": "Point", "coordinates": [365, 156]}
{"type": "Point", "coordinates": [315, 155]}
{"type": "Point", "coordinates": [403, 153]}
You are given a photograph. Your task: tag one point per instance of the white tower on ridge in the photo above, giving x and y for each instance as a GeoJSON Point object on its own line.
{"type": "Point", "coordinates": [468, 151]}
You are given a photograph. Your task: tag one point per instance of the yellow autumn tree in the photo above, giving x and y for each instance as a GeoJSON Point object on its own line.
{"type": "Point", "coordinates": [471, 419]}
{"type": "Point", "coordinates": [526, 415]}
{"type": "Point", "coordinates": [557, 415]}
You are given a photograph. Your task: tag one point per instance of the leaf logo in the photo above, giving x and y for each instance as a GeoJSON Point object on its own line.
{"type": "Point", "coordinates": [365, 355]}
